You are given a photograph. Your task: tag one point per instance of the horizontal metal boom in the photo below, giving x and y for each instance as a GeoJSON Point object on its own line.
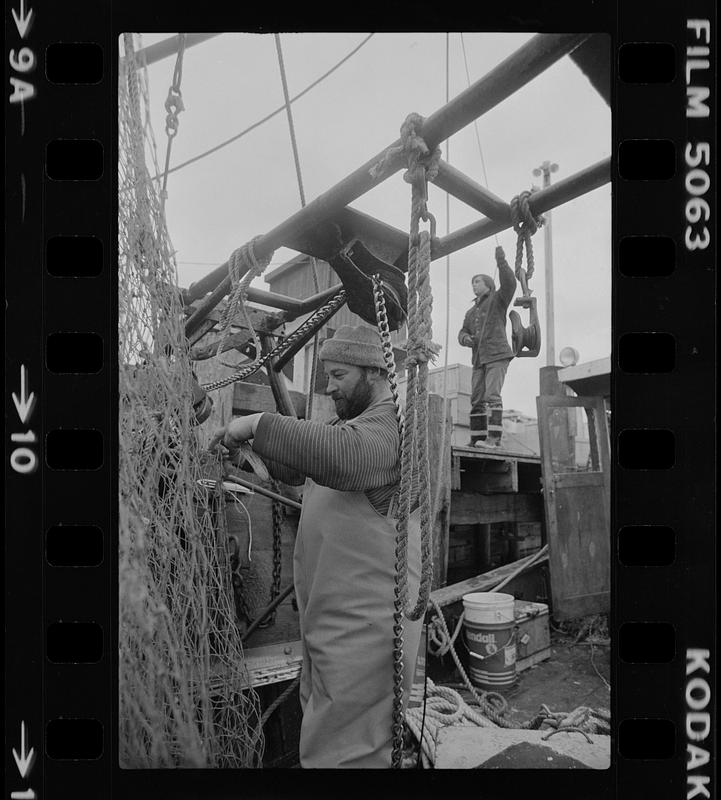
{"type": "Point", "coordinates": [559, 193]}
{"type": "Point", "coordinates": [519, 68]}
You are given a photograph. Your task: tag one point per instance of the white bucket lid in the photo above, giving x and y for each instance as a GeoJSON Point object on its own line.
{"type": "Point", "coordinates": [487, 599]}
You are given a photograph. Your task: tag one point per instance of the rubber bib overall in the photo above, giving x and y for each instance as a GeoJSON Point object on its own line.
{"type": "Point", "coordinates": [344, 566]}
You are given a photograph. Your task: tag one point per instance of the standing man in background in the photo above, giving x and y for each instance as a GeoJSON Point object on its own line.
{"type": "Point", "coordinates": [484, 331]}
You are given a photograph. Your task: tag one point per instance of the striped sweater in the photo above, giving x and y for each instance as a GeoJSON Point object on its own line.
{"type": "Point", "coordinates": [354, 455]}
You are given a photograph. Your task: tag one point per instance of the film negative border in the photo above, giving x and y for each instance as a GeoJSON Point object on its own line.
{"type": "Point", "coordinates": [61, 319]}
{"type": "Point", "coordinates": [663, 406]}
{"type": "Point", "coordinates": [60, 262]}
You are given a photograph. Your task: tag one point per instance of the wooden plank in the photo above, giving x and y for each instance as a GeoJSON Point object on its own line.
{"type": "Point", "coordinates": [471, 508]}
{"type": "Point", "coordinates": [577, 508]}
{"type": "Point", "coordinates": [209, 349]}
{"type": "Point", "coordinates": [573, 480]}
{"type": "Point", "coordinates": [498, 454]}
{"type": "Point", "coordinates": [251, 398]}
{"type": "Point", "coordinates": [499, 476]}
{"type": "Point", "coordinates": [455, 473]}
{"type": "Point", "coordinates": [447, 595]}
{"type": "Point", "coordinates": [266, 321]}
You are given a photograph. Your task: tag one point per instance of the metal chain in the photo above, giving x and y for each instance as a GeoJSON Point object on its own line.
{"type": "Point", "coordinates": [316, 319]}
{"type": "Point", "coordinates": [385, 334]}
{"type": "Point", "coordinates": [278, 517]}
{"type": "Point", "coordinates": [173, 105]}
{"type": "Point", "coordinates": [314, 351]}
{"type": "Point", "coordinates": [398, 600]}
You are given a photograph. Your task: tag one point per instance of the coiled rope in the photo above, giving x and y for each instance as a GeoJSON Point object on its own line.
{"type": "Point", "coordinates": [444, 706]}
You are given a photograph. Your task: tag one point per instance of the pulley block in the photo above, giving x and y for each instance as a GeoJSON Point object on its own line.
{"type": "Point", "coordinates": [525, 342]}
{"type": "Point", "coordinates": [355, 265]}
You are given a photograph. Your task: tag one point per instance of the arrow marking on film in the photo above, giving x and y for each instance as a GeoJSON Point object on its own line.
{"type": "Point", "coordinates": [24, 760]}
{"type": "Point", "coordinates": [22, 22]}
{"type": "Point", "coordinates": [25, 403]}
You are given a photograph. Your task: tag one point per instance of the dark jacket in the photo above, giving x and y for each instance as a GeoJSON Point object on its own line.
{"type": "Point", "coordinates": [484, 326]}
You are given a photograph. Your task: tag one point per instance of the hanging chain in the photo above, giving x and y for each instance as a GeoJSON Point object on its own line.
{"type": "Point", "coordinates": [385, 334]}
{"type": "Point", "coordinates": [397, 725]}
{"type": "Point", "coordinates": [278, 517]}
{"type": "Point", "coordinates": [315, 320]}
{"type": "Point", "coordinates": [173, 105]}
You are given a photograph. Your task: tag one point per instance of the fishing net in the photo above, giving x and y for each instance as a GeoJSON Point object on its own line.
{"type": "Point", "coordinates": [185, 699]}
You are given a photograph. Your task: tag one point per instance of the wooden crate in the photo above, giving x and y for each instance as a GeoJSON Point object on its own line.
{"type": "Point", "coordinates": [533, 638]}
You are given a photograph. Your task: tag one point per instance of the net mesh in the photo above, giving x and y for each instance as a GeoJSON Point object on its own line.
{"type": "Point", "coordinates": [185, 699]}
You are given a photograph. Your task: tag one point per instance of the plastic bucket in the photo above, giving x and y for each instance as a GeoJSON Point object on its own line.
{"type": "Point", "coordinates": [490, 633]}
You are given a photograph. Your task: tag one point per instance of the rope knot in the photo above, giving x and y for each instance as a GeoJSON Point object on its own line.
{"type": "Point", "coordinates": [521, 215]}
{"type": "Point", "coordinates": [525, 224]}
{"type": "Point", "coordinates": [421, 352]}
{"type": "Point", "coordinates": [243, 256]}
{"type": "Point", "coordinates": [422, 163]}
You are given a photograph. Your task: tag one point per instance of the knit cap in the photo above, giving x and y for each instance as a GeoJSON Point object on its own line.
{"type": "Point", "coordinates": [357, 345]}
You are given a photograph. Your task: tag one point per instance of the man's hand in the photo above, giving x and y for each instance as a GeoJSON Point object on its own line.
{"type": "Point", "coordinates": [238, 430]}
{"type": "Point", "coordinates": [468, 340]}
{"type": "Point", "coordinates": [500, 255]}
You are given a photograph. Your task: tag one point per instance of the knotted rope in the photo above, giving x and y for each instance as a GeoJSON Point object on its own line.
{"type": "Point", "coordinates": [422, 164]}
{"type": "Point", "coordinates": [243, 267]}
{"type": "Point", "coordinates": [525, 224]}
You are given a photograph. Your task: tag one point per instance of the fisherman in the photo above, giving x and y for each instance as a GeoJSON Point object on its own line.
{"type": "Point", "coordinates": [344, 560]}
{"type": "Point", "coordinates": [484, 330]}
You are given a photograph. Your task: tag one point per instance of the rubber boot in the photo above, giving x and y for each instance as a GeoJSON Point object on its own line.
{"type": "Point", "coordinates": [479, 430]}
{"type": "Point", "coordinates": [495, 427]}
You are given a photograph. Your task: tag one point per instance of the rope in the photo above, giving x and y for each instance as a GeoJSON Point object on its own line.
{"type": "Point", "coordinates": [173, 105]}
{"type": "Point", "coordinates": [270, 116]}
{"type": "Point", "coordinates": [301, 191]}
{"type": "Point", "coordinates": [475, 123]}
{"type": "Point", "coordinates": [444, 706]}
{"type": "Point", "coordinates": [279, 701]}
{"type": "Point", "coordinates": [243, 267]}
{"type": "Point", "coordinates": [422, 166]}
{"type": "Point", "coordinates": [442, 465]}
{"type": "Point", "coordinates": [525, 225]}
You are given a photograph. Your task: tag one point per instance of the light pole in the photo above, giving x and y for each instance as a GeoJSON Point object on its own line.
{"type": "Point", "coordinates": [546, 169]}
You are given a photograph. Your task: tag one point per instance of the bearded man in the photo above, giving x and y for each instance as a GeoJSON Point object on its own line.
{"type": "Point", "coordinates": [344, 559]}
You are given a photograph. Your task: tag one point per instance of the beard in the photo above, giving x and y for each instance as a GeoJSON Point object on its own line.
{"type": "Point", "coordinates": [349, 406]}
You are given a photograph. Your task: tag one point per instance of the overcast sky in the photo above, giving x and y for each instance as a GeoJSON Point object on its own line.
{"type": "Point", "coordinates": [247, 188]}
